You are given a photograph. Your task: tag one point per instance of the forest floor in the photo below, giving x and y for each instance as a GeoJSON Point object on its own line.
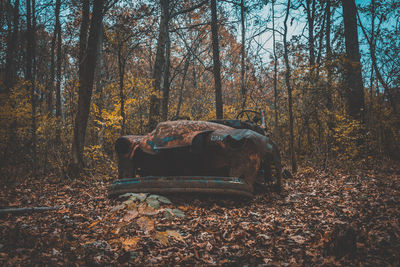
{"type": "Point", "coordinates": [320, 218]}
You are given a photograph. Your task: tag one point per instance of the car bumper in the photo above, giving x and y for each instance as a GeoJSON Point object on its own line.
{"type": "Point", "coordinates": [182, 184]}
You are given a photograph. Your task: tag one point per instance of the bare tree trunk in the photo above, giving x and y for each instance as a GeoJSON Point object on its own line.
{"type": "Point", "coordinates": [352, 65]}
{"type": "Point", "coordinates": [10, 72]}
{"type": "Point", "coordinates": [310, 107]}
{"type": "Point", "coordinates": [88, 65]}
{"type": "Point", "coordinates": [328, 90]}
{"type": "Point", "coordinates": [166, 81]}
{"type": "Point", "coordinates": [217, 64]}
{"type": "Point", "coordinates": [52, 61]}
{"type": "Point", "coordinates": [159, 64]}
{"type": "Point", "coordinates": [30, 54]}
{"type": "Point", "coordinates": [121, 71]}
{"type": "Point", "coordinates": [185, 69]}
{"type": "Point", "coordinates": [243, 54]}
{"type": "Point", "coordinates": [310, 10]}
{"type": "Point", "coordinates": [275, 71]}
{"type": "Point", "coordinates": [329, 103]}
{"type": "Point", "coordinates": [83, 34]}
{"type": "Point", "coordinates": [289, 89]}
{"type": "Point", "coordinates": [59, 61]}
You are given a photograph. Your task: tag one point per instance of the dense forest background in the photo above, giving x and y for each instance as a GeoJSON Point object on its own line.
{"type": "Point", "coordinates": [75, 75]}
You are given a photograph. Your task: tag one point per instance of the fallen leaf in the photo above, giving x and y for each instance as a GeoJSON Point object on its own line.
{"type": "Point", "coordinates": [94, 223]}
{"type": "Point", "coordinates": [178, 213]}
{"type": "Point", "coordinates": [126, 195]}
{"type": "Point", "coordinates": [142, 196]}
{"type": "Point", "coordinates": [63, 210]}
{"type": "Point", "coordinates": [146, 224]}
{"type": "Point", "coordinates": [118, 207]}
{"type": "Point", "coordinates": [130, 242]}
{"type": "Point", "coordinates": [131, 214]}
{"type": "Point", "coordinates": [174, 234]}
{"type": "Point", "coordinates": [144, 209]}
{"type": "Point", "coordinates": [162, 237]}
{"type": "Point", "coordinates": [298, 239]}
{"type": "Point", "coordinates": [164, 200]}
{"type": "Point", "coordinates": [154, 203]}
{"type": "Point", "coordinates": [128, 202]}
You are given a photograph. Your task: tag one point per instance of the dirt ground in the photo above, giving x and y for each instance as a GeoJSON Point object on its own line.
{"type": "Point", "coordinates": [320, 218]}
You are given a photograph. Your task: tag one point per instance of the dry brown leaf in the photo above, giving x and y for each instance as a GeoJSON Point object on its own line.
{"type": "Point", "coordinates": [162, 237]}
{"type": "Point", "coordinates": [175, 234]}
{"type": "Point", "coordinates": [118, 207]}
{"type": "Point", "coordinates": [146, 224]}
{"type": "Point", "coordinates": [130, 215]}
{"type": "Point", "coordinates": [130, 242]}
{"type": "Point", "coordinates": [94, 223]}
{"type": "Point", "coordinates": [144, 209]}
{"type": "Point", "coordinates": [298, 239]}
{"type": "Point", "coordinates": [63, 211]}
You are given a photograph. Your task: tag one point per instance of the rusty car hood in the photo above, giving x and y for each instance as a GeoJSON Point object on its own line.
{"type": "Point", "coordinates": [175, 134]}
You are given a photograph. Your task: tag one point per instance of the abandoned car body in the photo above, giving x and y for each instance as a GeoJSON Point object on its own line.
{"type": "Point", "coordinates": [225, 156]}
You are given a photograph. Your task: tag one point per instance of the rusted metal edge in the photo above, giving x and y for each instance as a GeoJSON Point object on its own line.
{"type": "Point", "coordinates": [182, 184]}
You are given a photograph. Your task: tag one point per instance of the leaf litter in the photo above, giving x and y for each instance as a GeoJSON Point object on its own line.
{"type": "Point", "coordinates": [320, 218]}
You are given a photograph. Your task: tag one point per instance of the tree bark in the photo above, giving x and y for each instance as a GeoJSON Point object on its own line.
{"type": "Point", "coordinates": [216, 62]}
{"type": "Point", "coordinates": [185, 69]}
{"type": "Point", "coordinates": [243, 54]}
{"type": "Point", "coordinates": [59, 61]}
{"type": "Point", "coordinates": [289, 89]}
{"type": "Point", "coordinates": [88, 65]}
{"type": "Point", "coordinates": [310, 10]}
{"type": "Point", "coordinates": [352, 64]}
{"type": "Point", "coordinates": [329, 104]}
{"type": "Point", "coordinates": [30, 55]}
{"type": "Point", "coordinates": [83, 34]}
{"type": "Point", "coordinates": [159, 62]}
{"type": "Point", "coordinates": [10, 72]}
{"type": "Point", "coordinates": [166, 81]}
{"type": "Point", "coordinates": [121, 71]}
{"type": "Point", "coordinates": [275, 71]}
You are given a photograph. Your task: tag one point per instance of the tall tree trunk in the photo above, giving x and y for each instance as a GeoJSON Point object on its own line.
{"type": "Point", "coordinates": [52, 60]}
{"type": "Point", "coordinates": [159, 62]}
{"type": "Point", "coordinates": [10, 72]}
{"type": "Point", "coordinates": [310, 10]}
{"type": "Point", "coordinates": [83, 35]}
{"type": "Point", "coordinates": [50, 86]}
{"type": "Point", "coordinates": [166, 81]}
{"type": "Point", "coordinates": [289, 89]}
{"type": "Point", "coordinates": [275, 71]}
{"type": "Point", "coordinates": [59, 61]}
{"type": "Point", "coordinates": [30, 54]}
{"type": "Point", "coordinates": [121, 71]}
{"type": "Point", "coordinates": [185, 69]}
{"type": "Point", "coordinates": [88, 65]}
{"type": "Point", "coordinates": [243, 54]}
{"type": "Point", "coordinates": [352, 65]}
{"type": "Point", "coordinates": [216, 62]}
{"type": "Point", "coordinates": [329, 103]}
{"type": "Point", "coordinates": [308, 97]}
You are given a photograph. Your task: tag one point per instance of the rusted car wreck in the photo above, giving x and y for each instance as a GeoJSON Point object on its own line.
{"type": "Point", "coordinates": [220, 156]}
